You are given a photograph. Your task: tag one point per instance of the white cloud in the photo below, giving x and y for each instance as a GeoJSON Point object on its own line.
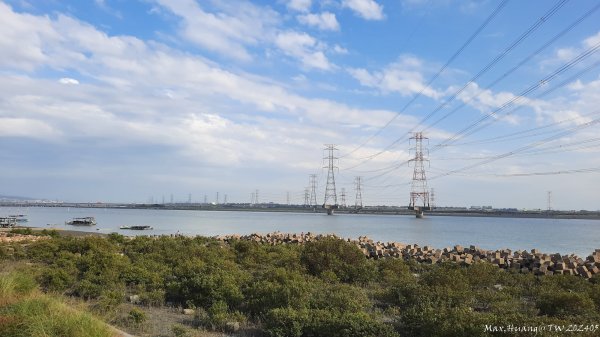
{"type": "Point", "coordinates": [229, 31]}
{"type": "Point", "coordinates": [303, 47]}
{"type": "Point", "coordinates": [404, 76]}
{"type": "Point", "coordinates": [147, 93]}
{"type": "Point", "coordinates": [323, 21]}
{"type": "Point", "coordinates": [367, 9]}
{"type": "Point", "coordinates": [299, 5]}
{"type": "Point", "coordinates": [234, 27]}
{"type": "Point", "coordinates": [24, 127]}
{"type": "Point", "coordinates": [339, 49]}
{"type": "Point", "coordinates": [583, 101]}
{"type": "Point", "coordinates": [67, 80]}
{"type": "Point", "coordinates": [566, 54]}
{"type": "Point", "coordinates": [592, 40]}
{"type": "Point", "coordinates": [18, 28]}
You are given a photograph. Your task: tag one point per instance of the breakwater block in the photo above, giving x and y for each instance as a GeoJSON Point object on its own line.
{"type": "Point", "coordinates": [523, 261]}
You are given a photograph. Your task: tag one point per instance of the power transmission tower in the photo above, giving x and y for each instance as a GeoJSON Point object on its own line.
{"type": "Point", "coordinates": [419, 193]}
{"type": "Point", "coordinates": [189, 198]}
{"type": "Point", "coordinates": [217, 199]}
{"type": "Point", "coordinates": [256, 196]}
{"type": "Point", "coordinates": [313, 190]}
{"type": "Point", "coordinates": [549, 201]}
{"type": "Point", "coordinates": [358, 186]}
{"type": "Point", "coordinates": [225, 199]}
{"type": "Point", "coordinates": [252, 198]}
{"type": "Point", "coordinates": [306, 197]}
{"type": "Point", "coordinates": [205, 199]}
{"type": "Point", "coordinates": [287, 197]}
{"type": "Point", "coordinates": [432, 198]}
{"type": "Point", "coordinates": [343, 198]}
{"type": "Point", "coordinates": [330, 202]}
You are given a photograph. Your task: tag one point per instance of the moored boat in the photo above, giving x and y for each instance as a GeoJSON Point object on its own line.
{"type": "Point", "coordinates": [137, 227]}
{"type": "Point", "coordinates": [8, 222]}
{"type": "Point", "coordinates": [19, 217]}
{"type": "Point", "coordinates": [85, 221]}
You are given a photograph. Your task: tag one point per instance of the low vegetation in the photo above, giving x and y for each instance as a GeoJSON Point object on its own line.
{"type": "Point", "coordinates": [24, 311]}
{"type": "Point", "coordinates": [323, 288]}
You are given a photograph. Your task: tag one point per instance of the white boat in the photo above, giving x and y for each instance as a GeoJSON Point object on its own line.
{"type": "Point", "coordinates": [86, 221]}
{"type": "Point", "coordinates": [8, 222]}
{"type": "Point", "coordinates": [137, 227]}
{"type": "Point", "coordinates": [19, 217]}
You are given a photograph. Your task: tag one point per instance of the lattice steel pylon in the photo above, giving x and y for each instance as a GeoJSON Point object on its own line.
{"type": "Point", "coordinates": [330, 201]}
{"type": "Point", "coordinates": [306, 198]}
{"type": "Point", "coordinates": [343, 198]}
{"type": "Point", "coordinates": [312, 183]}
{"type": "Point", "coordinates": [358, 204]}
{"type": "Point", "coordinates": [419, 193]}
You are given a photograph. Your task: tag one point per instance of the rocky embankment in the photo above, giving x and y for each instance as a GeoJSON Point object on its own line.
{"type": "Point", "coordinates": [521, 261]}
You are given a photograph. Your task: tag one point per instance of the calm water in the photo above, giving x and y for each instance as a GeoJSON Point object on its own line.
{"type": "Point", "coordinates": [548, 235]}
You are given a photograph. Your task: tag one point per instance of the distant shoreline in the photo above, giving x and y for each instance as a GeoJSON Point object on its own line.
{"type": "Point", "coordinates": [373, 210]}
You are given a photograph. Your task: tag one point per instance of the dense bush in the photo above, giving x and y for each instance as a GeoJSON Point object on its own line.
{"type": "Point", "coordinates": [341, 258]}
{"type": "Point", "coordinates": [323, 288]}
{"type": "Point", "coordinates": [286, 322]}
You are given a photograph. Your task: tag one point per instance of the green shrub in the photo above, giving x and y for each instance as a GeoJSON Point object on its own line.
{"type": "Point", "coordinates": [278, 289]}
{"type": "Point", "coordinates": [342, 258]}
{"type": "Point", "coordinates": [285, 322]}
{"type": "Point", "coordinates": [340, 298]}
{"type": "Point", "coordinates": [109, 301]}
{"type": "Point", "coordinates": [218, 315]}
{"type": "Point", "coordinates": [430, 320]}
{"type": "Point", "coordinates": [392, 271]}
{"type": "Point", "coordinates": [57, 279]}
{"type": "Point", "coordinates": [50, 232]}
{"type": "Point", "coordinates": [136, 316]}
{"type": "Point", "coordinates": [179, 330]}
{"type": "Point", "coordinates": [565, 304]}
{"type": "Point", "coordinates": [203, 284]}
{"type": "Point", "coordinates": [324, 323]}
{"type": "Point", "coordinates": [22, 231]}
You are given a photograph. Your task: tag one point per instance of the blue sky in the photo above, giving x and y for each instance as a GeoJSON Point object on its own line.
{"type": "Point", "coordinates": [124, 101]}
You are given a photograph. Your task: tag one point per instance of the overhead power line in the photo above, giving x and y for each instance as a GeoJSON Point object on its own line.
{"type": "Point", "coordinates": [538, 23]}
{"type": "Point", "coordinates": [521, 149]}
{"type": "Point", "coordinates": [579, 58]}
{"type": "Point", "coordinates": [518, 65]}
{"type": "Point", "coordinates": [437, 74]}
{"type": "Point", "coordinates": [550, 173]}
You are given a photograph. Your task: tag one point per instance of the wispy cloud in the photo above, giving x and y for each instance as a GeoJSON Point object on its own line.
{"type": "Point", "coordinates": [147, 93]}
{"type": "Point", "coordinates": [299, 5]}
{"type": "Point", "coordinates": [228, 32]}
{"type": "Point", "coordinates": [367, 9]}
{"type": "Point", "coordinates": [305, 48]}
{"type": "Point", "coordinates": [404, 77]}
{"type": "Point", "coordinates": [323, 21]}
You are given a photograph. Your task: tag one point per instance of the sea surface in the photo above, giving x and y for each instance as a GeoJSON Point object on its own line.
{"type": "Point", "coordinates": [563, 236]}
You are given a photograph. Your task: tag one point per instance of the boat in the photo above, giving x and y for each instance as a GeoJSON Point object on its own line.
{"type": "Point", "coordinates": [8, 222]}
{"type": "Point", "coordinates": [19, 217]}
{"type": "Point", "coordinates": [137, 228]}
{"type": "Point", "coordinates": [86, 221]}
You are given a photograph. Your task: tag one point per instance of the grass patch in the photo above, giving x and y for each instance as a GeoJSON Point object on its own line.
{"type": "Point", "coordinates": [24, 311]}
